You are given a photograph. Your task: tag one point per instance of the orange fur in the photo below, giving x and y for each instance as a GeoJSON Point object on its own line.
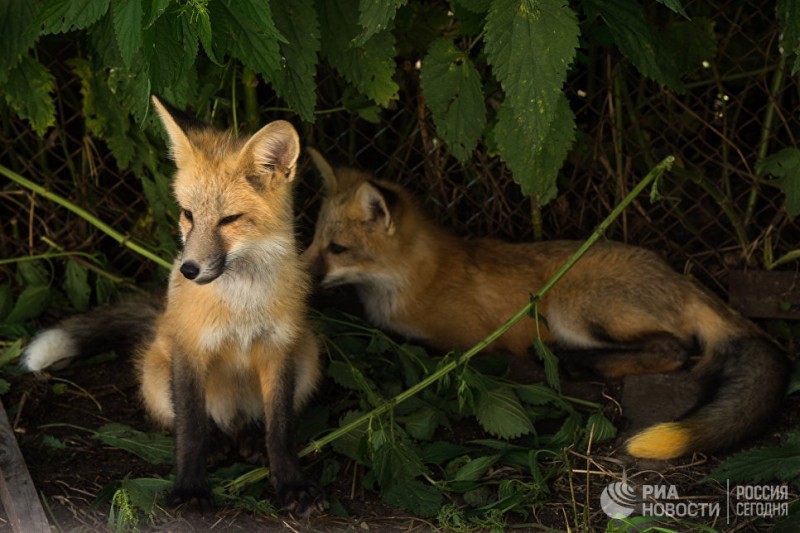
{"type": "Point", "coordinates": [620, 306]}
{"type": "Point", "coordinates": [203, 320]}
{"type": "Point", "coordinates": [663, 441]}
{"type": "Point", "coordinates": [234, 321]}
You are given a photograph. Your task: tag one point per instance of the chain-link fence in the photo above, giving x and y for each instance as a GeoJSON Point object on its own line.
{"type": "Point", "coordinates": [714, 214]}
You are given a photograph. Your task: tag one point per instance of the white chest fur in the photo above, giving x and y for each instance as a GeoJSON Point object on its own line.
{"type": "Point", "coordinates": [248, 289]}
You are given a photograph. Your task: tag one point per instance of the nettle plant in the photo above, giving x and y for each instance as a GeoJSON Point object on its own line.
{"type": "Point", "coordinates": [489, 70]}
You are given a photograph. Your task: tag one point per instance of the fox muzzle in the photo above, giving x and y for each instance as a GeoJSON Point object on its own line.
{"type": "Point", "coordinates": [202, 274]}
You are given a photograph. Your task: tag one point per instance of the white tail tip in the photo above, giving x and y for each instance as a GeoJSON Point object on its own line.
{"type": "Point", "coordinates": [47, 349]}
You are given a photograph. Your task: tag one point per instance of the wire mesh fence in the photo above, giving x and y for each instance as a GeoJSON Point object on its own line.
{"type": "Point", "coordinates": [714, 213]}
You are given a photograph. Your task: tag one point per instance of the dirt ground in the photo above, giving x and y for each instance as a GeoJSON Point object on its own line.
{"type": "Point", "coordinates": [69, 478]}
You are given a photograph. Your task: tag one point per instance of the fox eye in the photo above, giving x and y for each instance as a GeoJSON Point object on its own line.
{"type": "Point", "coordinates": [188, 215]}
{"type": "Point", "coordinates": [229, 219]}
{"type": "Point", "coordinates": [336, 248]}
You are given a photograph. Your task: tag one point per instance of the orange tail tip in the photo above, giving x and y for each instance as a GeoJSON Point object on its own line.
{"type": "Point", "coordinates": [662, 442]}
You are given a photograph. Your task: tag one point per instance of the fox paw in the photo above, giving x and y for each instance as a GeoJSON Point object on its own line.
{"type": "Point", "coordinates": [302, 498]}
{"type": "Point", "coordinates": [196, 498]}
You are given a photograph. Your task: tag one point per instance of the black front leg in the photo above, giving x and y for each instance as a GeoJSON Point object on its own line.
{"type": "Point", "coordinates": [298, 493]}
{"type": "Point", "coordinates": [191, 437]}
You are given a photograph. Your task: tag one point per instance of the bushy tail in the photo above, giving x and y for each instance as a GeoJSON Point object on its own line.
{"type": "Point", "coordinates": [119, 327]}
{"type": "Point", "coordinates": [744, 387]}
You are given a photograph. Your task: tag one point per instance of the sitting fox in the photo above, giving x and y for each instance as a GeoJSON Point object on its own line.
{"type": "Point", "coordinates": [620, 310]}
{"type": "Point", "coordinates": [232, 344]}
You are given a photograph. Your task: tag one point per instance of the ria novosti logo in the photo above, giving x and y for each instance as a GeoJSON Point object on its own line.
{"type": "Point", "coordinates": [621, 499]}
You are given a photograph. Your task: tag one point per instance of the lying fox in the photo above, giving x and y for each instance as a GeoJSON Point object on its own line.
{"type": "Point", "coordinates": [620, 310]}
{"type": "Point", "coordinates": [232, 344]}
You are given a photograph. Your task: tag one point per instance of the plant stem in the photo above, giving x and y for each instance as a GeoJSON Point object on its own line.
{"type": "Point", "coordinates": [766, 132]}
{"type": "Point", "coordinates": [250, 82]}
{"type": "Point", "coordinates": [785, 258]}
{"type": "Point", "coordinates": [93, 220]}
{"type": "Point", "coordinates": [262, 473]}
{"type": "Point", "coordinates": [536, 217]}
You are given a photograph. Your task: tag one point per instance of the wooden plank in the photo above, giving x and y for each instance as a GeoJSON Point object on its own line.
{"type": "Point", "coordinates": [19, 497]}
{"type": "Point", "coordinates": [762, 294]}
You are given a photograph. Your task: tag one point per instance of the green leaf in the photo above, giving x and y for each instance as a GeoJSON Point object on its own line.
{"type": "Point", "coordinates": [638, 40]}
{"type": "Point", "coordinates": [127, 16]}
{"type": "Point", "coordinates": [102, 114]}
{"type": "Point", "coordinates": [550, 364]}
{"type": "Point", "coordinates": [421, 424]}
{"type": "Point", "coordinates": [247, 29]}
{"type": "Point", "coordinates": [350, 443]}
{"type": "Point", "coordinates": [760, 464]}
{"type": "Point", "coordinates": [155, 448]}
{"type": "Point", "coordinates": [33, 273]}
{"type": "Point", "coordinates": [27, 90]}
{"type": "Point", "coordinates": [476, 6]}
{"type": "Point", "coordinates": [568, 432]}
{"type": "Point", "coordinates": [14, 331]}
{"type": "Point", "coordinates": [76, 285]}
{"type": "Point", "coordinates": [198, 19]}
{"type": "Point", "coordinates": [785, 166]}
{"type": "Point", "coordinates": [378, 344]}
{"type": "Point", "coordinates": [375, 16]}
{"type": "Point", "coordinates": [108, 119]}
{"type": "Point", "coordinates": [11, 353]}
{"type": "Point", "coordinates": [295, 80]}
{"type": "Point", "coordinates": [330, 471]}
{"type": "Point", "coordinates": [156, 8]}
{"type": "Point", "coordinates": [59, 16]}
{"type": "Point", "coordinates": [395, 462]}
{"type": "Point", "coordinates": [500, 412]}
{"type": "Point", "coordinates": [53, 442]}
{"type": "Point", "coordinates": [144, 492]}
{"type": "Point", "coordinates": [479, 497]}
{"type": "Point", "coordinates": [675, 6]}
{"type": "Point", "coordinates": [535, 164]}
{"type": "Point", "coordinates": [105, 289]}
{"type": "Point", "coordinates": [30, 304]}
{"type": "Point", "coordinates": [422, 500]}
{"type": "Point", "coordinates": [452, 87]}
{"type": "Point", "coordinates": [538, 394]}
{"type": "Point", "coordinates": [441, 451]}
{"type": "Point", "coordinates": [17, 33]}
{"type": "Point", "coordinates": [788, 15]}
{"type": "Point", "coordinates": [342, 375]}
{"type": "Point", "coordinates": [600, 428]}
{"type": "Point", "coordinates": [369, 68]}
{"type": "Point", "coordinates": [172, 46]}
{"type": "Point", "coordinates": [202, 22]}
{"type": "Point", "coordinates": [530, 46]}
{"type": "Point", "coordinates": [476, 468]}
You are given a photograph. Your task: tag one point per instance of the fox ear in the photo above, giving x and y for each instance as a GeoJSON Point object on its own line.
{"type": "Point", "coordinates": [376, 203]}
{"type": "Point", "coordinates": [176, 124]}
{"type": "Point", "coordinates": [329, 180]}
{"type": "Point", "coordinates": [272, 151]}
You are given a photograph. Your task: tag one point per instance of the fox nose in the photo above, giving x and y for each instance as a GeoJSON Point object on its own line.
{"type": "Point", "coordinates": [190, 269]}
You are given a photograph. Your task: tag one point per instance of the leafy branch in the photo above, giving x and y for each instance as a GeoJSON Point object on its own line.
{"type": "Point", "coordinates": [491, 72]}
